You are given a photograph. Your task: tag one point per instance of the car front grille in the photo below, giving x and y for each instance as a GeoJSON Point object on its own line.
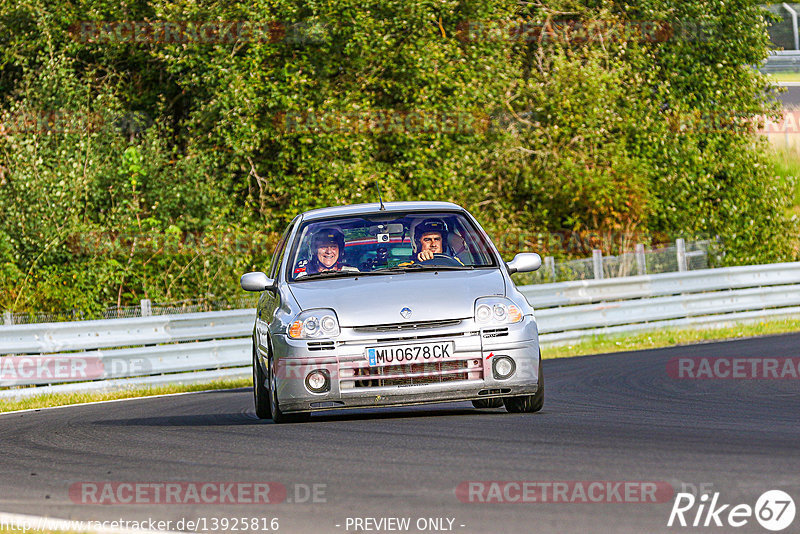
{"type": "Point", "coordinates": [465, 362]}
{"type": "Point", "coordinates": [415, 374]}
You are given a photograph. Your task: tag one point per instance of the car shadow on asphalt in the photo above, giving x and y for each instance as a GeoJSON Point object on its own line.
{"type": "Point", "coordinates": [249, 417]}
{"type": "Point", "coordinates": [405, 412]}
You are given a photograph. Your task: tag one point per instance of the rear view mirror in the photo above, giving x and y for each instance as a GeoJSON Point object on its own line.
{"type": "Point", "coordinates": [257, 281]}
{"type": "Point", "coordinates": [524, 262]}
{"type": "Point", "coordinates": [393, 228]}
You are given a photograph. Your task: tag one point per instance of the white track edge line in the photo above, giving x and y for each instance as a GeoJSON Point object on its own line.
{"type": "Point", "coordinates": [116, 400]}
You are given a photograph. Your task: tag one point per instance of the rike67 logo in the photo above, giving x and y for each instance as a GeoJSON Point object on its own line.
{"type": "Point", "coordinates": [774, 510]}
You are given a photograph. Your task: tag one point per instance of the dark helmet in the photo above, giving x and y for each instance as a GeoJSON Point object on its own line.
{"type": "Point", "coordinates": [326, 235]}
{"type": "Point", "coordinates": [430, 225]}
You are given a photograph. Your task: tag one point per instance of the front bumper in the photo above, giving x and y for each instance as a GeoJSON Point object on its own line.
{"type": "Point", "coordinates": [353, 383]}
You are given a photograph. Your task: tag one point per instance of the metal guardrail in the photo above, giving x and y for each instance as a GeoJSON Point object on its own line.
{"type": "Point", "coordinates": [781, 61]}
{"type": "Point", "coordinates": [119, 353]}
{"type": "Point", "coordinates": [202, 346]}
{"type": "Point", "coordinates": [88, 335]}
{"type": "Point", "coordinates": [630, 312]}
{"type": "Point", "coordinates": [101, 386]}
{"type": "Point", "coordinates": [138, 361]}
{"type": "Point", "coordinates": [569, 311]}
{"type": "Point", "coordinates": [636, 287]}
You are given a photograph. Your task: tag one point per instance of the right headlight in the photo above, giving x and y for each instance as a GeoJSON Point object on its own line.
{"type": "Point", "coordinates": [496, 311]}
{"type": "Point", "coordinates": [314, 324]}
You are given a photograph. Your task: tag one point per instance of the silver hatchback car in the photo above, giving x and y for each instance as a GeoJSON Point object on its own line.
{"type": "Point", "coordinates": [391, 304]}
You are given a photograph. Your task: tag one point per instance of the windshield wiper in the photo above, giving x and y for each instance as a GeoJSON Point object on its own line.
{"type": "Point", "coordinates": [327, 274]}
{"type": "Point", "coordinates": [446, 267]}
{"type": "Point", "coordinates": [388, 270]}
{"type": "Point", "coordinates": [418, 267]}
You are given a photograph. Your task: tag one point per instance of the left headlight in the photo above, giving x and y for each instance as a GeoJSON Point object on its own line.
{"type": "Point", "coordinates": [314, 324]}
{"type": "Point", "coordinates": [496, 310]}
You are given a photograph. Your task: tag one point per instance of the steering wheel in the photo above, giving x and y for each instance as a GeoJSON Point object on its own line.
{"type": "Point", "coordinates": [442, 260]}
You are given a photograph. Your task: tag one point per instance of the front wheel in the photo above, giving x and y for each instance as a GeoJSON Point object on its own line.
{"type": "Point", "coordinates": [260, 391]}
{"type": "Point", "coordinates": [278, 416]}
{"type": "Point", "coordinates": [528, 403]}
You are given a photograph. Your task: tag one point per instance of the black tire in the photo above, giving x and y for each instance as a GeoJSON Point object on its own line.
{"type": "Point", "coordinates": [260, 391]}
{"type": "Point", "coordinates": [488, 403]}
{"type": "Point", "coordinates": [278, 417]}
{"type": "Point", "coordinates": [528, 403]}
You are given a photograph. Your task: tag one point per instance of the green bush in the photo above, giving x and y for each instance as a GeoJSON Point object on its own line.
{"type": "Point", "coordinates": [163, 170]}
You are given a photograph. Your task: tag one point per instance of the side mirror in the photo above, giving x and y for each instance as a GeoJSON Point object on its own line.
{"type": "Point", "coordinates": [257, 281]}
{"type": "Point", "coordinates": [524, 263]}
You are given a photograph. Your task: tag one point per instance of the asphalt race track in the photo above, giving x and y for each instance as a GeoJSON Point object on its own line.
{"type": "Point", "coordinates": [617, 417]}
{"type": "Point", "coordinates": [791, 98]}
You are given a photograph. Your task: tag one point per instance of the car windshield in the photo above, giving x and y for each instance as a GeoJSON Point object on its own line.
{"type": "Point", "coordinates": [384, 243]}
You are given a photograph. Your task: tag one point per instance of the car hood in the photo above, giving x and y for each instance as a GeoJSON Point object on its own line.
{"type": "Point", "coordinates": [378, 299]}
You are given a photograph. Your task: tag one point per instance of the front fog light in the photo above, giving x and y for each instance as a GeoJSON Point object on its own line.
{"type": "Point", "coordinates": [317, 381]}
{"type": "Point", "coordinates": [503, 367]}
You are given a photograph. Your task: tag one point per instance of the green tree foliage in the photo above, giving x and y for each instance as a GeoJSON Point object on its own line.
{"type": "Point", "coordinates": [136, 168]}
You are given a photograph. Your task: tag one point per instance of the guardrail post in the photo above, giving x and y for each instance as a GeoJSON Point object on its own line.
{"type": "Point", "coordinates": [640, 260]}
{"type": "Point", "coordinates": [7, 318]}
{"type": "Point", "coordinates": [597, 261]}
{"type": "Point", "coordinates": [680, 244]}
{"type": "Point", "coordinates": [550, 267]}
{"type": "Point", "coordinates": [147, 311]}
{"type": "Point", "coordinates": [793, 13]}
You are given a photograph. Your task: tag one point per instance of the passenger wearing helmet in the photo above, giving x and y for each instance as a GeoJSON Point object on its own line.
{"type": "Point", "coordinates": [327, 249]}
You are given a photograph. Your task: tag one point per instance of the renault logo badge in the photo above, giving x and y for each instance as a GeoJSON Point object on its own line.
{"type": "Point", "coordinates": [406, 313]}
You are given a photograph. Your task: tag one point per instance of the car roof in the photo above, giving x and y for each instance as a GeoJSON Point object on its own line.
{"type": "Point", "coordinates": [374, 207]}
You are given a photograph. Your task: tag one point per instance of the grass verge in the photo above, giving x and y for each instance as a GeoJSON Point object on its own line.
{"type": "Point", "coordinates": [786, 166]}
{"type": "Point", "coordinates": [63, 399]}
{"type": "Point", "coordinates": [785, 76]}
{"type": "Point", "coordinates": [668, 338]}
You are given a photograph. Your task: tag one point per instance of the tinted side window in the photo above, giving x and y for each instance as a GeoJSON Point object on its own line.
{"type": "Point", "coordinates": [277, 257]}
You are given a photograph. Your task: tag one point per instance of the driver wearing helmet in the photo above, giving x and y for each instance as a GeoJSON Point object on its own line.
{"type": "Point", "coordinates": [430, 237]}
{"type": "Point", "coordinates": [327, 249]}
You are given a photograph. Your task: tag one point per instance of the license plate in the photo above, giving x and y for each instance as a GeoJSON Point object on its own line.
{"type": "Point", "coordinates": [416, 353]}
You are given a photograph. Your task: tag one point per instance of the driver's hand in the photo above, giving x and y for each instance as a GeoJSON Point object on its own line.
{"type": "Point", "coordinates": [425, 255]}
